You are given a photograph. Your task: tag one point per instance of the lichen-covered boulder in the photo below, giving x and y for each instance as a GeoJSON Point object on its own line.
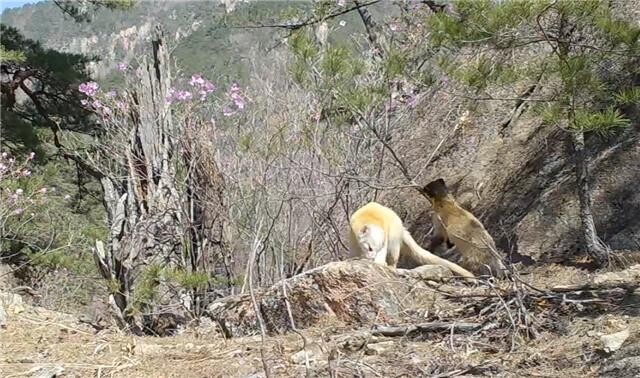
{"type": "Point", "coordinates": [350, 292]}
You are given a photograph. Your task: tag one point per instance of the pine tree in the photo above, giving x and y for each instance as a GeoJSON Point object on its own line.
{"type": "Point", "coordinates": [586, 51]}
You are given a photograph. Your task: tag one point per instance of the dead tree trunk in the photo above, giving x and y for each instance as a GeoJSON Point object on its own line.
{"type": "Point", "coordinates": [207, 211]}
{"type": "Point", "coordinates": [145, 204]}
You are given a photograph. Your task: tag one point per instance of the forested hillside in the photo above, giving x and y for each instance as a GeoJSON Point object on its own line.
{"type": "Point", "coordinates": [205, 37]}
{"type": "Point", "coordinates": [188, 170]}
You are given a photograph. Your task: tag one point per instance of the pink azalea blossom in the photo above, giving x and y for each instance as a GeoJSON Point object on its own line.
{"type": "Point", "coordinates": [89, 88]}
{"type": "Point", "coordinates": [106, 111]}
{"type": "Point", "coordinates": [122, 66]}
{"type": "Point", "coordinates": [183, 96]}
{"type": "Point", "coordinates": [84, 103]}
{"type": "Point", "coordinates": [238, 100]}
{"type": "Point", "coordinates": [206, 88]}
{"type": "Point", "coordinates": [177, 95]}
{"type": "Point", "coordinates": [234, 88]}
{"type": "Point", "coordinates": [209, 86]}
{"type": "Point", "coordinates": [197, 80]}
{"type": "Point", "coordinates": [111, 94]}
{"type": "Point", "coordinates": [236, 96]}
{"type": "Point", "coordinates": [204, 85]}
{"type": "Point", "coordinates": [97, 104]}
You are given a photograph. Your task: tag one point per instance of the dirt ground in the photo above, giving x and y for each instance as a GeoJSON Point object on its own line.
{"type": "Point", "coordinates": [35, 341]}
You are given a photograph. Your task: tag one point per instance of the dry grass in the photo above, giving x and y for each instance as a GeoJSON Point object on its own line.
{"type": "Point", "coordinates": [37, 337]}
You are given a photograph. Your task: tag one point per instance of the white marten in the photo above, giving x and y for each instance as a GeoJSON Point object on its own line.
{"type": "Point", "coordinates": [377, 233]}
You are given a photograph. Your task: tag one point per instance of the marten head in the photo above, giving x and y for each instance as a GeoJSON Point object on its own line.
{"type": "Point", "coordinates": [371, 240]}
{"type": "Point", "coordinates": [436, 190]}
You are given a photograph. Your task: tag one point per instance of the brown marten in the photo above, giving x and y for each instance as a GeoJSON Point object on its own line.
{"type": "Point", "coordinates": [454, 225]}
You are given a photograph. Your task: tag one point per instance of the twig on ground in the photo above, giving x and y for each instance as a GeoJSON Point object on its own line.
{"type": "Point", "coordinates": [44, 322]}
{"type": "Point", "coordinates": [256, 307]}
{"type": "Point", "coordinates": [423, 327]}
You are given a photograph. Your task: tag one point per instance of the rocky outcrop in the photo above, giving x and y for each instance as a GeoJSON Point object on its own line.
{"type": "Point", "coordinates": [352, 292]}
{"type": "Point", "coordinates": [395, 302]}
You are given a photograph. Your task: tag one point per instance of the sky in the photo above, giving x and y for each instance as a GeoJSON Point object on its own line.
{"type": "Point", "coordinates": [6, 4]}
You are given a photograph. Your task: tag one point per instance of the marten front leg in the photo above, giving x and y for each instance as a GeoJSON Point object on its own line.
{"type": "Point", "coordinates": [439, 234]}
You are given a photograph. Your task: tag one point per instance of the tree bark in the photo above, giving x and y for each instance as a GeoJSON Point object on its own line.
{"type": "Point", "coordinates": [144, 203]}
{"type": "Point", "coordinates": [207, 209]}
{"type": "Point", "coordinates": [373, 30]}
{"type": "Point", "coordinates": [164, 196]}
{"type": "Point", "coordinates": [592, 244]}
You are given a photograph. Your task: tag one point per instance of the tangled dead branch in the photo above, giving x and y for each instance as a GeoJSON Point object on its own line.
{"type": "Point", "coordinates": [521, 311]}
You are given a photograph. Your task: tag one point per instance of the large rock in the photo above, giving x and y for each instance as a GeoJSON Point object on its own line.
{"type": "Point", "coordinates": [349, 292]}
{"type": "Point", "coordinates": [624, 363]}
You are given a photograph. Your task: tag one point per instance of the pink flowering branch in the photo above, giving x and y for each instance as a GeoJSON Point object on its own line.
{"type": "Point", "coordinates": [15, 202]}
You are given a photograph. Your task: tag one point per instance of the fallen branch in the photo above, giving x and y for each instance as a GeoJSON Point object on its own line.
{"type": "Point", "coordinates": [424, 327]}
{"type": "Point", "coordinates": [610, 285]}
